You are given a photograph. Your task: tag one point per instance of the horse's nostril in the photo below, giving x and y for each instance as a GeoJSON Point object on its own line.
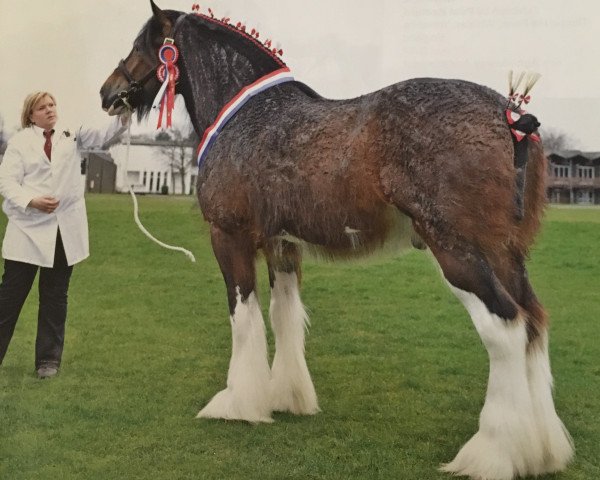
{"type": "Point", "coordinates": [106, 101]}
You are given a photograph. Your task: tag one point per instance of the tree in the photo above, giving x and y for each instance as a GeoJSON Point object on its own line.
{"type": "Point", "coordinates": [3, 140]}
{"type": "Point", "coordinates": [177, 149]}
{"type": "Point", "coordinates": [556, 140]}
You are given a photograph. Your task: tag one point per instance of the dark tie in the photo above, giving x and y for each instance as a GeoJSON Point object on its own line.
{"type": "Point", "coordinates": [48, 143]}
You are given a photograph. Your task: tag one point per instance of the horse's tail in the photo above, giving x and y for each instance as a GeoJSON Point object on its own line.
{"type": "Point", "coordinates": [530, 166]}
{"type": "Point", "coordinates": [529, 160]}
{"type": "Point", "coordinates": [533, 176]}
{"type": "Point", "coordinates": [530, 203]}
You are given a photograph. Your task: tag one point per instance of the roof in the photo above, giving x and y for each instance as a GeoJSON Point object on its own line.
{"type": "Point", "coordinates": [575, 153]}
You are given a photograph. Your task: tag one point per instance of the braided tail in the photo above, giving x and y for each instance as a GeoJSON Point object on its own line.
{"type": "Point", "coordinates": [523, 127]}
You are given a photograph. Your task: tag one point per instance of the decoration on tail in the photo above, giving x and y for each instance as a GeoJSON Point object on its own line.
{"type": "Point", "coordinates": [168, 73]}
{"type": "Point", "coordinates": [523, 126]}
{"type": "Point", "coordinates": [514, 96]}
{"type": "Point", "coordinates": [522, 123]}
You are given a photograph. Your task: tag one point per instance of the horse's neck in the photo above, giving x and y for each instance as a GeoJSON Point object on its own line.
{"type": "Point", "coordinates": [212, 77]}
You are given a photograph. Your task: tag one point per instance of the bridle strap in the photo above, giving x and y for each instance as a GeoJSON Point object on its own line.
{"type": "Point", "coordinates": [123, 69]}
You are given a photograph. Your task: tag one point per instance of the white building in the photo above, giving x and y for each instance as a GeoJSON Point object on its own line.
{"type": "Point", "coordinates": [149, 167]}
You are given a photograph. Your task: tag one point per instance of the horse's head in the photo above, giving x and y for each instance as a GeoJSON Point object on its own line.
{"type": "Point", "coordinates": [134, 83]}
{"type": "Point", "coordinates": [216, 60]}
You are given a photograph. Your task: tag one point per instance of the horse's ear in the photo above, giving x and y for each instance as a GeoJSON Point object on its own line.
{"type": "Point", "coordinates": [162, 18]}
{"type": "Point", "coordinates": [155, 10]}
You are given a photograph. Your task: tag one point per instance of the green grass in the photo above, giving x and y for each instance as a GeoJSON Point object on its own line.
{"type": "Point", "coordinates": [399, 369]}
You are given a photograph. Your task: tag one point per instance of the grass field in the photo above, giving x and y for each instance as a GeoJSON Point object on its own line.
{"type": "Point", "coordinates": [399, 369]}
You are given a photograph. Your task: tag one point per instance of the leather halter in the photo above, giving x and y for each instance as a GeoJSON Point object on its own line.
{"type": "Point", "coordinates": [136, 86]}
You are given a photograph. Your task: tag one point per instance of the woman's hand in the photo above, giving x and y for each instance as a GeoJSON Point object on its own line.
{"type": "Point", "coordinates": [45, 204]}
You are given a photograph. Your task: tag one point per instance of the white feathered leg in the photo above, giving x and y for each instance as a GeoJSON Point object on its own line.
{"type": "Point", "coordinates": [291, 386]}
{"type": "Point", "coordinates": [557, 443]}
{"type": "Point", "coordinates": [508, 442]}
{"type": "Point", "coordinates": [247, 394]}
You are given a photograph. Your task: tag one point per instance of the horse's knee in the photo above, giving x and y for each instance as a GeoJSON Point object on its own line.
{"type": "Point", "coordinates": [470, 272]}
{"type": "Point", "coordinates": [235, 253]}
{"type": "Point", "coordinates": [512, 274]}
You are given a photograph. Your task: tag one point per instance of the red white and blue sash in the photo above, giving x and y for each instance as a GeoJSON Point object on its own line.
{"type": "Point", "coordinates": [270, 80]}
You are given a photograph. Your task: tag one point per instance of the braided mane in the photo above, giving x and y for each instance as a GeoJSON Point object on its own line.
{"type": "Point", "coordinates": [243, 35]}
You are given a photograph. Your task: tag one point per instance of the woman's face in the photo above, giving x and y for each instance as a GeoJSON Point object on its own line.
{"type": "Point", "coordinates": [43, 113]}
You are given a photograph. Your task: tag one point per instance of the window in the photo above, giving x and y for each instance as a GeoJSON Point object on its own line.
{"type": "Point", "coordinates": [561, 171]}
{"type": "Point", "coordinates": [585, 172]}
{"type": "Point", "coordinates": [151, 186]}
{"type": "Point", "coordinates": [145, 179]}
{"type": "Point", "coordinates": [158, 181]}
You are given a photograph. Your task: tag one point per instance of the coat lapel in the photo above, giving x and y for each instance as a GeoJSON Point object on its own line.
{"type": "Point", "coordinates": [36, 146]}
{"type": "Point", "coordinates": [61, 143]}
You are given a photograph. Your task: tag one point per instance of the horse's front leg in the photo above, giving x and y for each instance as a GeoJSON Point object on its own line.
{"type": "Point", "coordinates": [292, 389]}
{"type": "Point", "coordinates": [248, 380]}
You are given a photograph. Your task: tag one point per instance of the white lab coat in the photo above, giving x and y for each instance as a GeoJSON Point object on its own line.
{"type": "Point", "coordinates": [26, 172]}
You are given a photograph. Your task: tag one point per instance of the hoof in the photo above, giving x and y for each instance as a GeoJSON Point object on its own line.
{"type": "Point", "coordinates": [558, 447]}
{"type": "Point", "coordinates": [287, 398]}
{"type": "Point", "coordinates": [227, 406]}
{"type": "Point", "coordinates": [481, 459]}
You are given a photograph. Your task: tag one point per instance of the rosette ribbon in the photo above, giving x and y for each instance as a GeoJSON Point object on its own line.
{"type": "Point", "coordinates": [168, 74]}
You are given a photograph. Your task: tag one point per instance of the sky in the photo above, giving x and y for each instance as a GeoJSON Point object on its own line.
{"type": "Point", "coordinates": [341, 48]}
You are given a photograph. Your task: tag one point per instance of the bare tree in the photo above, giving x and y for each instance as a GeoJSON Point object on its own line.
{"type": "Point", "coordinates": [177, 151]}
{"type": "Point", "coordinates": [556, 140]}
{"type": "Point", "coordinates": [3, 140]}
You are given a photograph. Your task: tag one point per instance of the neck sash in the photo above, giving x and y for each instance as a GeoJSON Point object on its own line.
{"type": "Point", "coordinates": [231, 108]}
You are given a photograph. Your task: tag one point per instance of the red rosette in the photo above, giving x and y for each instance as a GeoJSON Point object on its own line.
{"type": "Point", "coordinates": [160, 72]}
{"type": "Point", "coordinates": [168, 53]}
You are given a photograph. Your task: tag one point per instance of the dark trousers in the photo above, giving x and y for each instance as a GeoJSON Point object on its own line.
{"type": "Point", "coordinates": [52, 314]}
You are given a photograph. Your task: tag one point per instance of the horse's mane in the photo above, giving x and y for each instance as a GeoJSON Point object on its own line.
{"type": "Point", "coordinates": [236, 35]}
{"type": "Point", "coordinates": [239, 34]}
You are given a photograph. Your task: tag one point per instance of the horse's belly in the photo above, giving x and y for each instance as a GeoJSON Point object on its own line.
{"type": "Point", "coordinates": [350, 234]}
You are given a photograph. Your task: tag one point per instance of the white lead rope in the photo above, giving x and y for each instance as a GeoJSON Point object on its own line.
{"type": "Point", "coordinates": [188, 254]}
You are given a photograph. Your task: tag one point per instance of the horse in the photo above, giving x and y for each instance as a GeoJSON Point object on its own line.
{"type": "Point", "coordinates": [291, 171]}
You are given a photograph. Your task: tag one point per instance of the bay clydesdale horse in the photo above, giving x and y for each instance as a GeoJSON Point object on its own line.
{"type": "Point", "coordinates": [282, 168]}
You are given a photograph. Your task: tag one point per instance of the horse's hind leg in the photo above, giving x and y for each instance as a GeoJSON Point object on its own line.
{"type": "Point", "coordinates": [558, 446]}
{"type": "Point", "coordinates": [508, 442]}
{"type": "Point", "coordinates": [247, 394]}
{"type": "Point", "coordinates": [291, 386]}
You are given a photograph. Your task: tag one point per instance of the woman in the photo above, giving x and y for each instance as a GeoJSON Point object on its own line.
{"type": "Point", "coordinates": [43, 190]}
